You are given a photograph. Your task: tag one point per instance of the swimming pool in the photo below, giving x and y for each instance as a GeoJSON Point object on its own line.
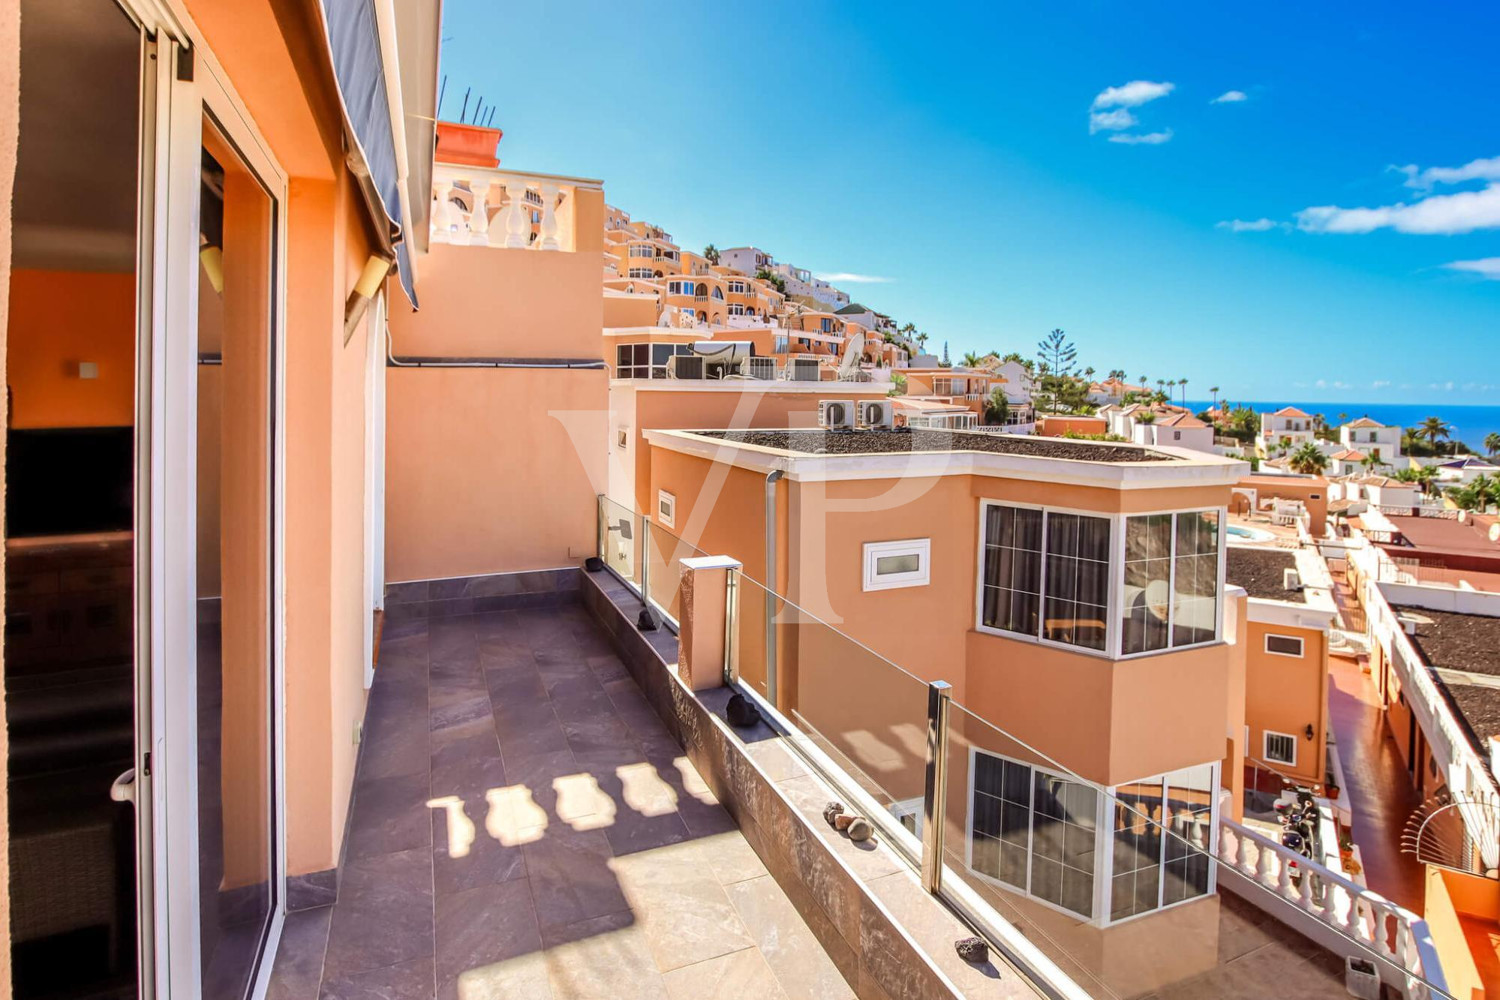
{"type": "Point", "coordinates": [1250, 534]}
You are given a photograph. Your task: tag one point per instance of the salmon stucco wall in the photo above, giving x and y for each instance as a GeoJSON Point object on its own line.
{"type": "Point", "coordinates": [491, 470]}
{"type": "Point", "coordinates": [1287, 694]}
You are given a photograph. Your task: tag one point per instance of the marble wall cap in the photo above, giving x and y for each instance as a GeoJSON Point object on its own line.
{"type": "Point", "coordinates": [712, 562]}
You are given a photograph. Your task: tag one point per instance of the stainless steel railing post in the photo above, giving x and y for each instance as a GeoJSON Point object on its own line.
{"type": "Point", "coordinates": [646, 561]}
{"type": "Point", "coordinates": [731, 621]}
{"type": "Point", "coordinates": [939, 699]}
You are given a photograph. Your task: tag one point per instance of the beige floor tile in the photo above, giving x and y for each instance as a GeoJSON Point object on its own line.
{"type": "Point", "coordinates": [604, 958]}
{"type": "Point", "coordinates": [740, 975]}
{"type": "Point", "coordinates": [790, 948]}
{"type": "Point", "coordinates": [685, 912]}
{"type": "Point", "coordinates": [524, 976]}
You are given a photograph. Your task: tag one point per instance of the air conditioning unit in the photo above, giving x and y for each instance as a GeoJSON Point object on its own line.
{"type": "Point", "coordinates": [836, 414]}
{"type": "Point", "coordinates": [804, 370]}
{"type": "Point", "coordinates": [877, 413]}
{"type": "Point", "coordinates": [685, 366]}
{"type": "Point", "coordinates": [759, 367]}
{"type": "Point", "coordinates": [1291, 580]}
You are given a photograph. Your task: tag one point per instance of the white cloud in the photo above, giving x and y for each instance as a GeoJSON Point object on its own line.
{"type": "Point", "coordinates": [1442, 214]}
{"type": "Point", "coordinates": [1230, 97]}
{"type": "Point", "coordinates": [1110, 120]}
{"type": "Point", "coordinates": [1133, 94]}
{"type": "Point", "coordinates": [1321, 383]}
{"type": "Point", "coordinates": [1460, 212]}
{"type": "Point", "coordinates": [1251, 226]}
{"type": "Point", "coordinates": [843, 277]}
{"type": "Point", "coordinates": [1139, 139]}
{"type": "Point", "coordinates": [1380, 383]}
{"type": "Point", "coordinates": [1486, 267]}
{"type": "Point", "coordinates": [1474, 170]}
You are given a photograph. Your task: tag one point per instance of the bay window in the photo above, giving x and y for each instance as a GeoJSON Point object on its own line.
{"type": "Point", "coordinates": [1146, 845]}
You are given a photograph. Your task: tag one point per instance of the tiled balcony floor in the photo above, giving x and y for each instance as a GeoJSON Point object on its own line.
{"type": "Point", "coordinates": [523, 826]}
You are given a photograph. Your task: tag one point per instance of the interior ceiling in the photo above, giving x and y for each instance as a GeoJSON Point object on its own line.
{"type": "Point", "coordinates": [75, 195]}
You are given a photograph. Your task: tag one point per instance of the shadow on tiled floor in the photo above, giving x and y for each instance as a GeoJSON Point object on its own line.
{"type": "Point", "coordinates": [524, 826]}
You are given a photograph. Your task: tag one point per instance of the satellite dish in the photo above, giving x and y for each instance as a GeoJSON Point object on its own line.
{"type": "Point", "coordinates": [1495, 532]}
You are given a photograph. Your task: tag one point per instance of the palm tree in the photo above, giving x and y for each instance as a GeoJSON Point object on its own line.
{"type": "Point", "coordinates": [1182, 384]}
{"type": "Point", "coordinates": [1492, 442]}
{"type": "Point", "coordinates": [1143, 383]}
{"type": "Point", "coordinates": [1478, 495]}
{"type": "Point", "coordinates": [1309, 460]}
{"type": "Point", "coordinates": [1433, 429]}
{"type": "Point", "coordinates": [997, 407]}
{"type": "Point", "coordinates": [1214, 390]}
{"type": "Point", "coordinates": [711, 253]}
{"type": "Point", "coordinates": [972, 360]}
{"type": "Point", "coordinates": [1424, 476]}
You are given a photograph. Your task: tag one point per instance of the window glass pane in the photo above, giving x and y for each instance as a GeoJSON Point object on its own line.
{"type": "Point", "coordinates": [1062, 838]}
{"type": "Point", "coordinates": [660, 353]}
{"type": "Point", "coordinates": [1189, 819]}
{"type": "Point", "coordinates": [1012, 569]}
{"type": "Point", "coordinates": [1195, 603]}
{"type": "Point", "coordinates": [1000, 818]}
{"type": "Point", "coordinates": [908, 563]}
{"type": "Point", "coordinates": [1145, 606]}
{"type": "Point", "coordinates": [1077, 579]}
{"type": "Point", "coordinates": [1137, 849]}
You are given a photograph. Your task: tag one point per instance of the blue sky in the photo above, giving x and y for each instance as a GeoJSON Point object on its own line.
{"type": "Point", "coordinates": [977, 159]}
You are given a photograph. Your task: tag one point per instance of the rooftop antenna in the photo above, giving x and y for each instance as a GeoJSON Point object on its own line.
{"type": "Point", "coordinates": [464, 110]}
{"type": "Point", "coordinates": [442, 89]}
{"type": "Point", "coordinates": [491, 117]}
{"type": "Point", "coordinates": [478, 105]}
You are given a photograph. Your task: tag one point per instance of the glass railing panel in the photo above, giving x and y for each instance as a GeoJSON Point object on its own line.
{"type": "Point", "coordinates": [620, 539]}
{"type": "Point", "coordinates": [665, 552]}
{"type": "Point", "coordinates": [854, 710]}
{"type": "Point", "coordinates": [1121, 887]}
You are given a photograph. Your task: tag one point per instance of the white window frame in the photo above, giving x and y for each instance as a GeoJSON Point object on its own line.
{"type": "Point", "coordinates": [1301, 645]}
{"type": "Point", "coordinates": [1104, 868]}
{"type": "Point", "coordinates": [1265, 747]}
{"type": "Point", "coordinates": [1117, 587]}
{"type": "Point", "coordinates": [666, 509]}
{"type": "Point", "coordinates": [915, 808]}
{"type": "Point", "coordinates": [874, 551]}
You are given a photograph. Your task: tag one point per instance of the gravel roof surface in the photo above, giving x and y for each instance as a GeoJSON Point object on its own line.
{"type": "Point", "coordinates": [819, 442]}
{"type": "Point", "coordinates": [1259, 572]}
{"type": "Point", "coordinates": [1463, 642]}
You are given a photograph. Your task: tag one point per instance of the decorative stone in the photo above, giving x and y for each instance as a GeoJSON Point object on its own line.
{"type": "Point", "coordinates": [842, 821]}
{"type": "Point", "coordinates": [972, 949]}
{"type": "Point", "coordinates": [831, 813]}
{"type": "Point", "coordinates": [740, 713]}
{"type": "Point", "coordinates": [646, 622]}
{"type": "Point", "coordinates": [860, 829]}
{"type": "Point", "coordinates": [593, 564]}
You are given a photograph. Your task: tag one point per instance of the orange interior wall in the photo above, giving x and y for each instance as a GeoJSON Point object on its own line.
{"type": "Point", "coordinates": [57, 319]}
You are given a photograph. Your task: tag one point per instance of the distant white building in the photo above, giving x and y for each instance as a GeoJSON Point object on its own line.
{"type": "Point", "coordinates": [1372, 438]}
{"type": "Point", "coordinates": [1174, 430]}
{"type": "Point", "coordinates": [748, 260]}
{"type": "Point", "coordinates": [1284, 431]}
{"type": "Point", "coordinates": [800, 281]}
{"type": "Point", "coordinates": [1463, 471]}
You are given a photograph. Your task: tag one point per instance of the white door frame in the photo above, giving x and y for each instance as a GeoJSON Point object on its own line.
{"type": "Point", "coordinates": [174, 377]}
{"type": "Point", "coordinates": [374, 477]}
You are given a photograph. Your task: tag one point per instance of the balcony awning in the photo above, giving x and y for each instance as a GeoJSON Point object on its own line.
{"type": "Point", "coordinates": [358, 65]}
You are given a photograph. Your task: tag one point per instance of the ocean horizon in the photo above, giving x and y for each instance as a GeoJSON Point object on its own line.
{"type": "Point", "coordinates": [1471, 424]}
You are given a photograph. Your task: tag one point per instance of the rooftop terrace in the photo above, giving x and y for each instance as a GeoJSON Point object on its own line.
{"type": "Point", "coordinates": [1260, 572]}
{"type": "Point", "coordinates": [870, 442]}
{"type": "Point", "coordinates": [1455, 645]}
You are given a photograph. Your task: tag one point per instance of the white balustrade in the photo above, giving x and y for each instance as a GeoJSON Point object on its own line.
{"type": "Point", "coordinates": [478, 206]}
{"type": "Point", "coordinates": [1358, 913]}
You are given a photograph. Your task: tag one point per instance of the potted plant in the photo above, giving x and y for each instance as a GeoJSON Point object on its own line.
{"type": "Point", "coordinates": [471, 145]}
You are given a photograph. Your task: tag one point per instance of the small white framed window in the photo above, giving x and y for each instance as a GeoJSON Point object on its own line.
{"type": "Point", "coordinates": [1280, 748]}
{"type": "Point", "coordinates": [622, 438]}
{"type": "Point", "coordinates": [666, 509]}
{"type": "Point", "coordinates": [889, 565]}
{"type": "Point", "coordinates": [1283, 645]}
